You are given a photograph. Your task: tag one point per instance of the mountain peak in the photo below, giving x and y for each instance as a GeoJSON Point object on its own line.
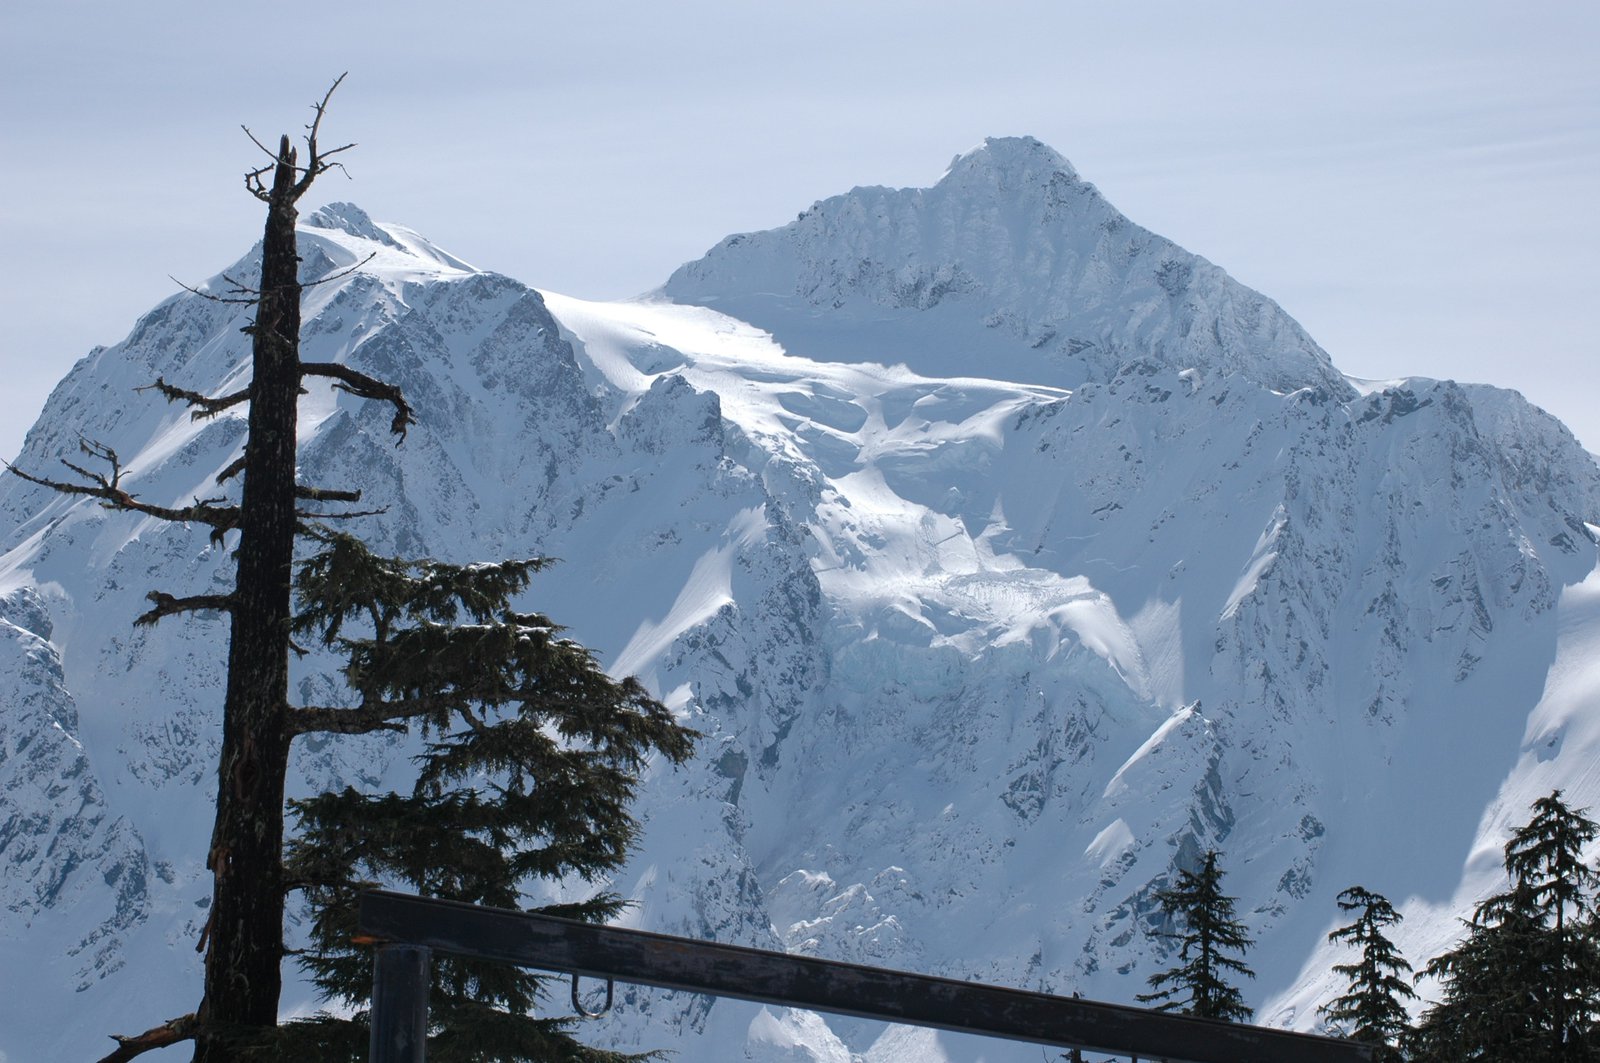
{"type": "Point", "coordinates": [352, 220]}
{"type": "Point", "coordinates": [1009, 241]}
{"type": "Point", "coordinates": [1019, 157]}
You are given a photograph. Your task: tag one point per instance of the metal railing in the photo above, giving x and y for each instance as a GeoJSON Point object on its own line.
{"type": "Point", "coordinates": [407, 929]}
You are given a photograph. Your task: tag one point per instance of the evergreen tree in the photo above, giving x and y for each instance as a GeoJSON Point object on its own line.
{"type": "Point", "coordinates": [1544, 858]}
{"type": "Point", "coordinates": [1525, 982]}
{"type": "Point", "coordinates": [1197, 985]}
{"type": "Point", "coordinates": [1373, 1009]}
{"type": "Point", "coordinates": [534, 760]}
{"type": "Point", "coordinates": [1492, 995]}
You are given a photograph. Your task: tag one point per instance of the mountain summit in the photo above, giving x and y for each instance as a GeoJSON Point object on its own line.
{"type": "Point", "coordinates": [1007, 556]}
{"type": "Point", "coordinates": [1013, 241]}
{"type": "Point", "coordinates": [1013, 160]}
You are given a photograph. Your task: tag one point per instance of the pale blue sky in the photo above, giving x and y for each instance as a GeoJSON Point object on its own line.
{"type": "Point", "coordinates": [1417, 183]}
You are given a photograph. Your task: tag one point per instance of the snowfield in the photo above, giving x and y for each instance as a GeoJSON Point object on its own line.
{"type": "Point", "coordinates": [1007, 556]}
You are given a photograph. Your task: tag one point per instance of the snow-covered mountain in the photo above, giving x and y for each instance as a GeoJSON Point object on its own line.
{"type": "Point", "coordinates": [1007, 555]}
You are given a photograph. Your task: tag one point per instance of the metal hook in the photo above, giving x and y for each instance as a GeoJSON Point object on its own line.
{"type": "Point", "coordinates": [579, 1008]}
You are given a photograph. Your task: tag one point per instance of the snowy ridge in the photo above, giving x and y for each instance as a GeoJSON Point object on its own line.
{"type": "Point", "coordinates": [986, 633]}
{"type": "Point", "coordinates": [1010, 240]}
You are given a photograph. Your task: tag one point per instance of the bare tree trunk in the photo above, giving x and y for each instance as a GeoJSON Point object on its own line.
{"type": "Point", "coordinates": [243, 939]}
{"type": "Point", "coordinates": [243, 977]}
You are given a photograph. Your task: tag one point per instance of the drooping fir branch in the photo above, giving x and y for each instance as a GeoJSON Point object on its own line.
{"type": "Point", "coordinates": [444, 643]}
{"type": "Point", "coordinates": [345, 580]}
{"type": "Point", "coordinates": [395, 714]}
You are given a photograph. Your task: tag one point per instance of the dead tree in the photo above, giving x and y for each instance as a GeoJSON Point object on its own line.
{"type": "Point", "coordinates": [508, 695]}
{"type": "Point", "coordinates": [243, 937]}
{"type": "Point", "coordinates": [243, 971]}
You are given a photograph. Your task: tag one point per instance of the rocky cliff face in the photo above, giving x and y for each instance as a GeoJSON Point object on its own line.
{"type": "Point", "coordinates": [1007, 556]}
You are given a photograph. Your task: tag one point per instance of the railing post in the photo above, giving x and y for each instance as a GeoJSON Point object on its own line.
{"type": "Point", "coordinates": [399, 1004]}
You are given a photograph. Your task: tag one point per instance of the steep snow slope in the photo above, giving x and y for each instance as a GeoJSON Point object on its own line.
{"type": "Point", "coordinates": [1078, 638]}
{"type": "Point", "coordinates": [1007, 555]}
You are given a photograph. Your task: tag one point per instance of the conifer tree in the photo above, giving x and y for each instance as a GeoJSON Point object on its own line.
{"type": "Point", "coordinates": [534, 758]}
{"type": "Point", "coordinates": [1492, 998]}
{"type": "Point", "coordinates": [1525, 981]}
{"type": "Point", "coordinates": [1373, 1010]}
{"type": "Point", "coordinates": [1198, 986]}
{"type": "Point", "coordinates": [1545, 858]}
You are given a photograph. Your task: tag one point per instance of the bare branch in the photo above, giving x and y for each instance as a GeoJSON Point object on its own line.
{"type": "Point", "coordinates": [322, 107]}
{"type": "Point", "coordinates": [241, 288]}
{"type": "Point", "coordinates": [212, 296]}
{"type": "Point", "coordinates": [326, 166]}
{"type": "Point", "coordinates": [234, 468]}
{"type": "Point", "coordinates": [325, 494]}
{"type": "Point", "coordinates": [167, 605]}
{"type": "Point", "coordinates": [310, 494]}
{"type": "Point", "coordinates": [211, 914]}
{"type": "Point", "coordinates": [108, 488]}
{"type": "Point", "coordinates": [256, 187]}
{"type": "Point", "coordinates": [265, 150]}
{"type": "Point", "coordinates": [204, 407]}
{"type": "Point", "coordinates": [342, 274]}
{"type": "Point", "coordinates": [363, 386]}
{"type": "Point", "coordinates": [365, 720]}
{"type": "Point", "coordinates": [349, 514]}
{"type": "Point", "coordinates": [316, 160]}
{"type": "Point", "coordinates": [171, 1032]}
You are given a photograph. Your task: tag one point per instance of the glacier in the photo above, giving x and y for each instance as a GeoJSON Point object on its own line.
{"type": "Point", "coordinates": [1007, 556]}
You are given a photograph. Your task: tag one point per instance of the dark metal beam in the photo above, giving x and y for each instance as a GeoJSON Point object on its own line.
{"type": "Point", "coordinates": [548, 943]}
{"type": "Point", "coordinates": [399, 1004]}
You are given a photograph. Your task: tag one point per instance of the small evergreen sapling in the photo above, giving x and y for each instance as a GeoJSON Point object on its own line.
{"type": "Point", "coordinates": [1373, 1010]}
{"type": "Point", "coordinates": [1197, 985]}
